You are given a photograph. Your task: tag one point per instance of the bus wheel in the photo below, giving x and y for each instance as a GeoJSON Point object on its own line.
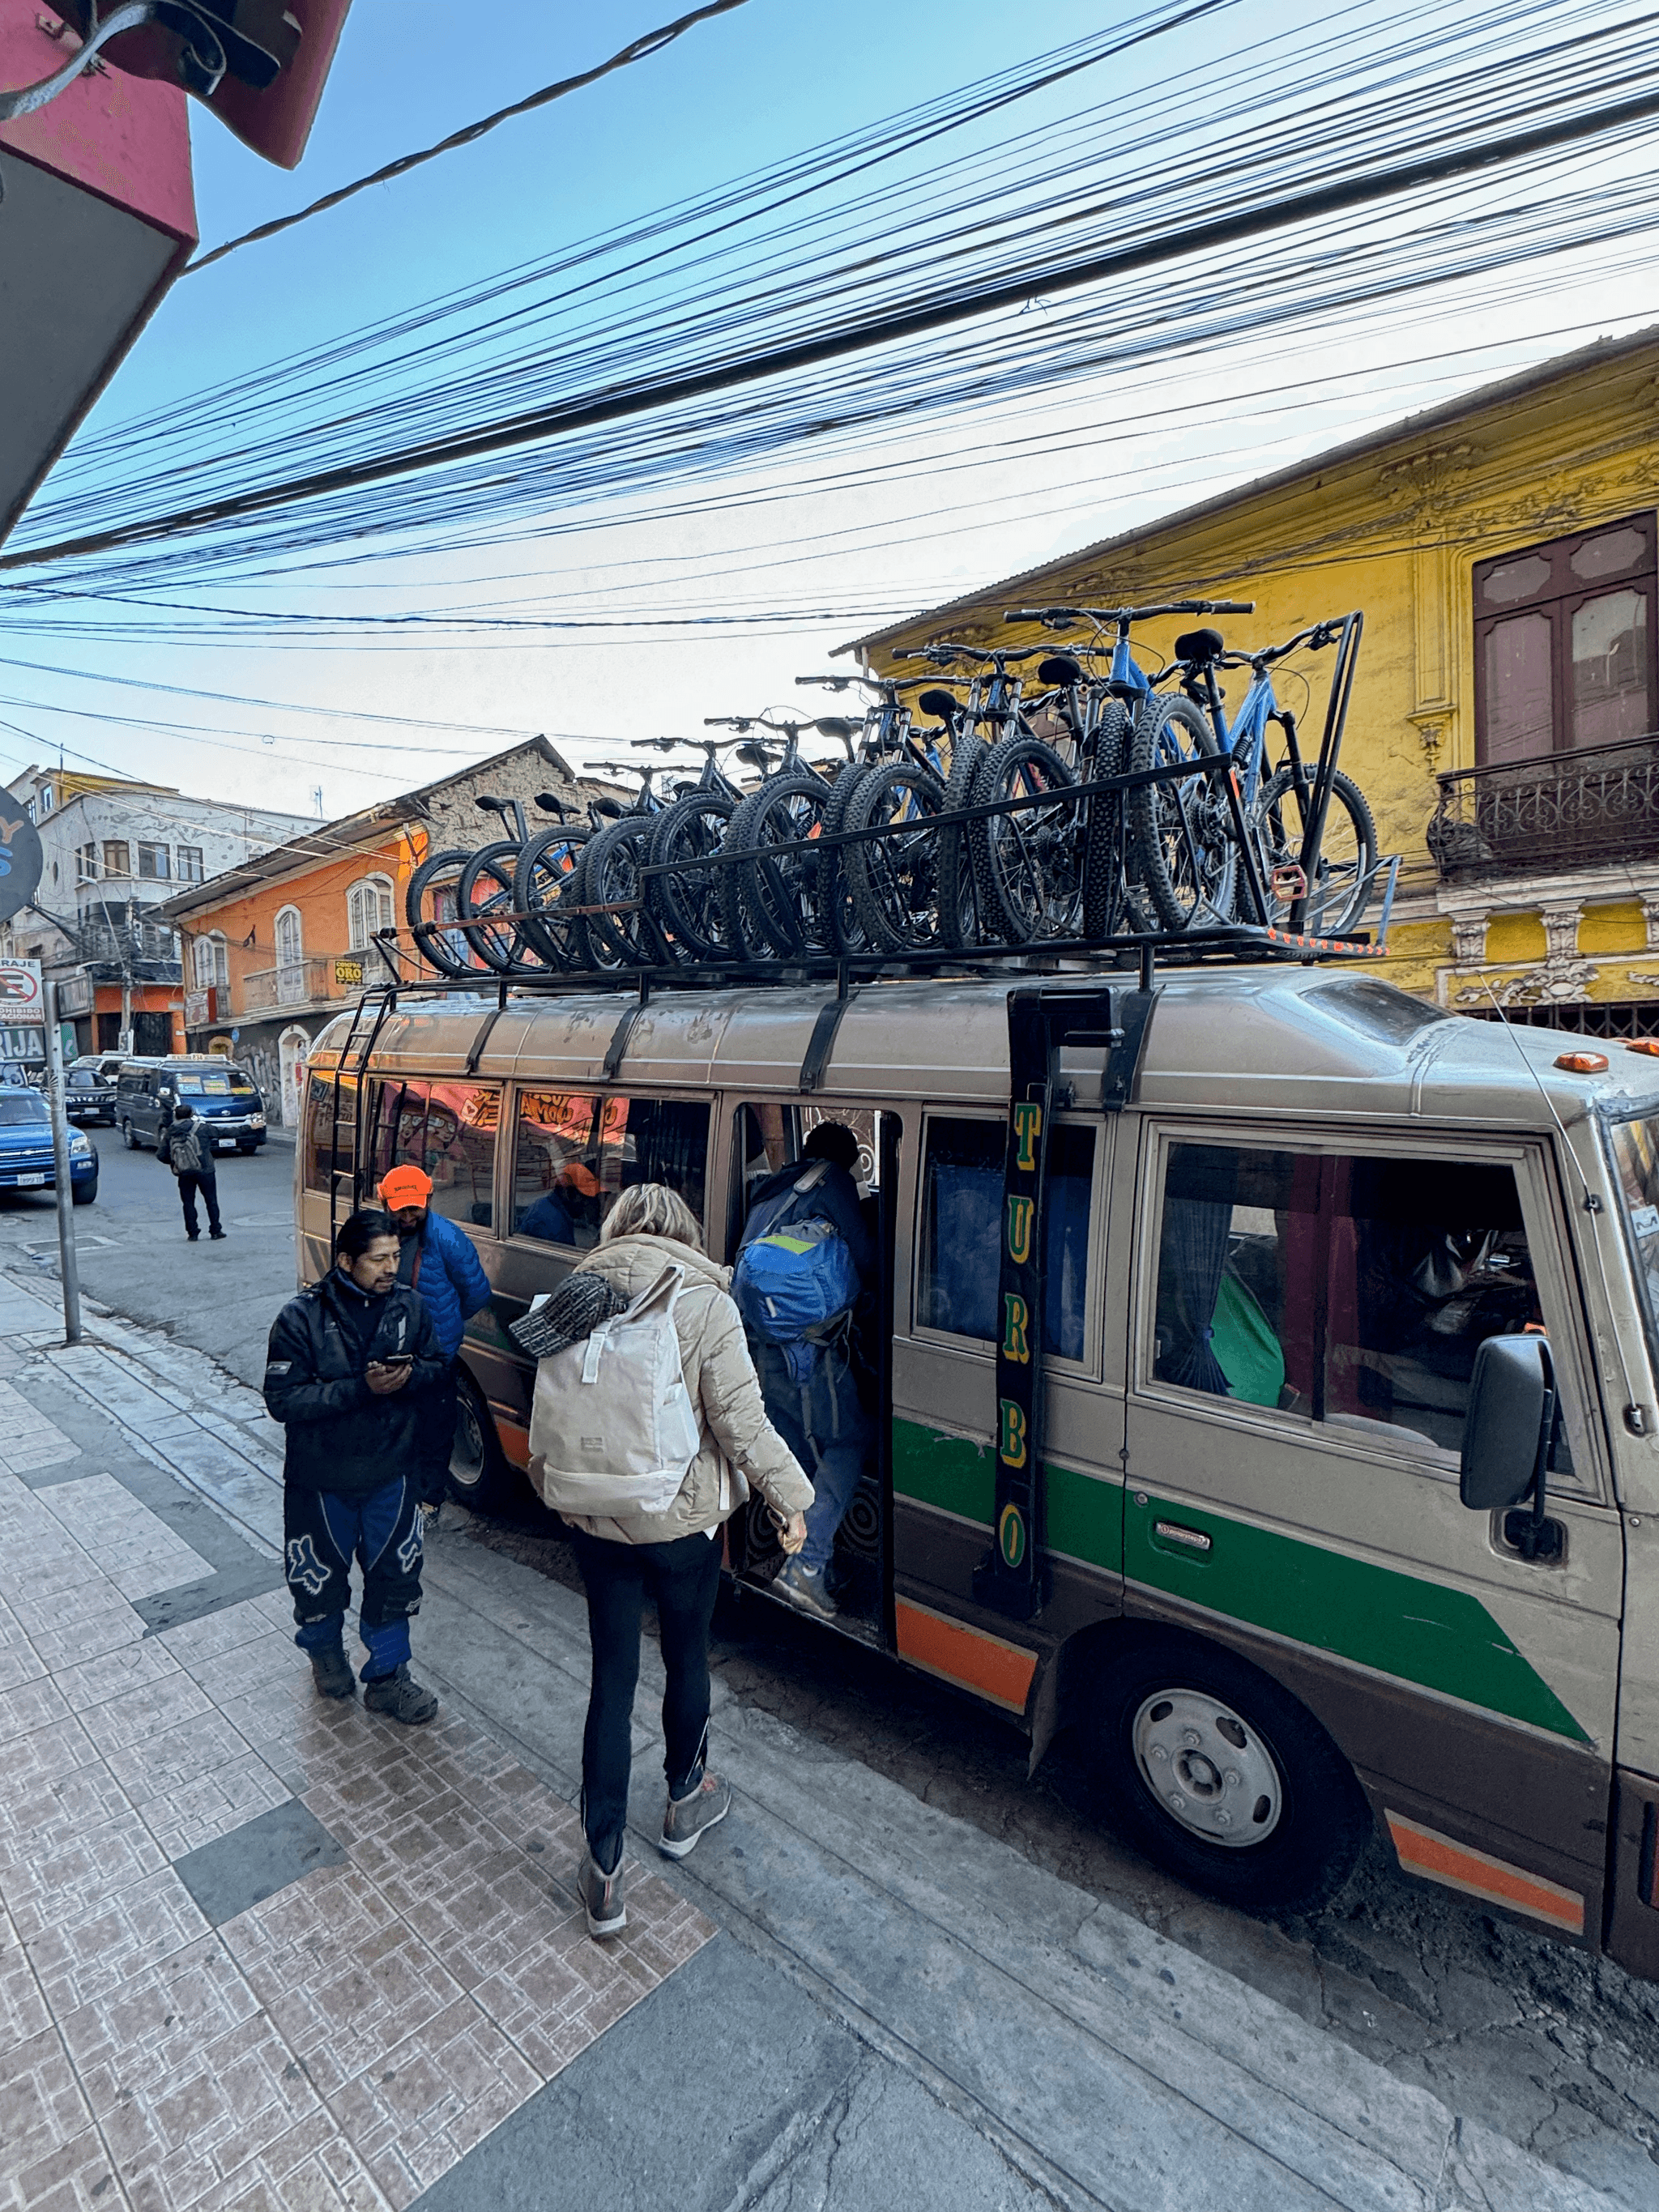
{"type": "Point", "coordinates": [1224, 1778]}
{"type": "Point", "coordinates": [479, 1476]}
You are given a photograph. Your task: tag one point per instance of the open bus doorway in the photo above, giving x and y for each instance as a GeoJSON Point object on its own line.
{"type": "Point", "coordinates": [767, 1136]}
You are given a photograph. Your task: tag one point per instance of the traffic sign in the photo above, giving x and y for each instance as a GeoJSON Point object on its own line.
{"type": "Point", "coordinates": [20, 862]}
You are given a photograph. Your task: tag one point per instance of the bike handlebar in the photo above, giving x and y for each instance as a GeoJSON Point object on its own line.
{"type": "Point", "coordinates": [1062, 617]}
{"type": "Point", "coordinates": [943, 655]}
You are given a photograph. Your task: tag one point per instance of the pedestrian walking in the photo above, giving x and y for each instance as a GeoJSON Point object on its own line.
{"type": "Point", "coordinates": [186, 1147]}
{"type": "Point", "coordinates": [349, 1366]}
{"type": "Point", "coordinates": [438, 1258]}
{"type": "Point", "coordinates": [811, 1382]}
{"type": "Point", "coordinates": [650, 1267]}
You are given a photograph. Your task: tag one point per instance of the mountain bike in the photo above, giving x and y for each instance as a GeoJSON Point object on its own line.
{"type": "Point", "coordinates": [611, 928]}
{"type": "Point", "coordinates": [768, 901]}
{"type": "Point", "coordinates": [686, 899]}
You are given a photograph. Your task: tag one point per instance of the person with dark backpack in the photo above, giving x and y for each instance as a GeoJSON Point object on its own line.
{"type": "Point", "coordinates": [802, 1282]}
{"type": "Point", "coordinates": [188, 1152]}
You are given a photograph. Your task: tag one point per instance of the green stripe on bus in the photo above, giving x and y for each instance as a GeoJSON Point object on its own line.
{"type": "Point", "coordinates": [1420, 1632]}
{"type": "Point", "coordinates": [1085, 1513]}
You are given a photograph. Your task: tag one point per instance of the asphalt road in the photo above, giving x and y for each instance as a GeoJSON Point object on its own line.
{"type": "Point", "coordinates": [1558, 2051]}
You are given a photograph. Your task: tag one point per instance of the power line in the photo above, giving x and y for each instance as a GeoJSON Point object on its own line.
{"type": "Point", "coordinates": [638, 50]}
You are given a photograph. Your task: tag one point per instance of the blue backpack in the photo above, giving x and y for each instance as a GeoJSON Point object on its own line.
{"type": "Point", "coordinates": [794, 1283]}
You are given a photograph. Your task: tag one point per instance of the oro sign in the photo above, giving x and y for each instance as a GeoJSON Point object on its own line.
{"type": "Point", "coordinates": [20, 866]}
{"type": "Point", "coordinates": [23, 997]}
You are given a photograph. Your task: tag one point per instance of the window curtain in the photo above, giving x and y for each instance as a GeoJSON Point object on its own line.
{"type": "Point", "coordinates": [1195, 1233]}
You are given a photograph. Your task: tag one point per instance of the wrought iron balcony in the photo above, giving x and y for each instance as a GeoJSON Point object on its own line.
{"type": "Point", "coordinates": [1562, 810]}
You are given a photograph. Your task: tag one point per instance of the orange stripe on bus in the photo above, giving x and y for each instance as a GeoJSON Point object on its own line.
{"type": "Point", "coordinates": [515, 1441]}
{"type": "Point", "coordinates": [1001, 1672]}
{"type": "Point", "coordinates": [1422, 1850]}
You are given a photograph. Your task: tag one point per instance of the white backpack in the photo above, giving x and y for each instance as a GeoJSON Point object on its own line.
{"type": "Point", "coordinates": [612, 1428]}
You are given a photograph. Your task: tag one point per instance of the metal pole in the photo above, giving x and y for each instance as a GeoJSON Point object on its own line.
{"type": "Point", "coordinates": [67, 1266]}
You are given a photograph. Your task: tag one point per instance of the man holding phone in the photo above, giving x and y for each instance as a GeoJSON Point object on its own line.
{"type": "Point", "coordinates": [347, 1363]}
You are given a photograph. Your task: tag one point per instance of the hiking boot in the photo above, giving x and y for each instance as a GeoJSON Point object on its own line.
{"type": "Point", "coordinates": [602, 1896]}
{"type": "Point", "coordinates": [215, 1236]}
{"type": "Point", "coordinates": [687, 1817]}
{"type": "Point", "coordinates": [332, 1672]}
{"type": "Point", "coordinates": [400, 1697]}
{"type": "Point", "coordinates": [805, 1590]}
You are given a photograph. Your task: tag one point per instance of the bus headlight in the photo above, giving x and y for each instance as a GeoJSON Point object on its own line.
{"type": "Point", "coordinates": [256, 1120]}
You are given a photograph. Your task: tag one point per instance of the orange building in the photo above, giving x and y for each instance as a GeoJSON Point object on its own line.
{"type": "Point", "coordinates": [271, 948]}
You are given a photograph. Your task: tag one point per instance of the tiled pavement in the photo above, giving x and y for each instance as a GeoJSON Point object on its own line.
{"type": "Point", "coordinates": [342, 2042]}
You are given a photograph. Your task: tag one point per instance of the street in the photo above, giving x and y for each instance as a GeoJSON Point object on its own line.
{"type": "Point", "coordinates": [1553, 2053]}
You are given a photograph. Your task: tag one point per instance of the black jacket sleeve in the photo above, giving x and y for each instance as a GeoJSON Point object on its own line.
{"type": "Point", "coordinates": [294, 1391]}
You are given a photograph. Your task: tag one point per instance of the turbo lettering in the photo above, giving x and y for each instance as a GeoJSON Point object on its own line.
{"type": "Point", "coordinates": [1021, 1212]}
{"type": "Point", "coordinates": [1011, 1444]}
{"type": "Point", "coordinates": [1016, 1322]}
{"type": "Point", "coordinates": [1028, 1127]}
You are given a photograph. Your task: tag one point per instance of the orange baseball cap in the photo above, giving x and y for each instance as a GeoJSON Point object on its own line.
{"type": "Point", "coordinates": [405, 1186]}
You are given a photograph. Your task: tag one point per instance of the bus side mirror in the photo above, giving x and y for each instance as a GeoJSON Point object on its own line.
{"type": "Point", "coordinates": [1506, 1429]}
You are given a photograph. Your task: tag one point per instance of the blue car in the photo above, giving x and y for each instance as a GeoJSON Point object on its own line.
{"type": "Point", "coordinates": [26, 1160]}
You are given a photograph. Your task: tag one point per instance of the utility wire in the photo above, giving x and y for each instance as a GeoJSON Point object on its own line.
{"type": "Point", "coordinates": [639, 50]}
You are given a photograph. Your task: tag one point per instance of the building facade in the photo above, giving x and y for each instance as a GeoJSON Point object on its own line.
{"type": "Point", "coordinates": [1503, 551]}
{"type": "Point", "coordinates": [113, 852]}
{"type": "Point", "coordinates": [272, 948]}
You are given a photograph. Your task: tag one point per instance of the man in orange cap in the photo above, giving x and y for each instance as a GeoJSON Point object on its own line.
{"type": "Point", "coordinates": [438, 1258]}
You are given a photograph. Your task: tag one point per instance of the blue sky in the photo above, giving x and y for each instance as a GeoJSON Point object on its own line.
{"type": "Point", "coordinates": [763, 83]}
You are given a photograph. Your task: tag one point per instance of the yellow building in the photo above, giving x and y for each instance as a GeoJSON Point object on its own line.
{"type": "Point", "coordinates": [1502, 548]}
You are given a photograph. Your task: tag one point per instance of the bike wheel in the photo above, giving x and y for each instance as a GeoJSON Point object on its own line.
{"type": "Point", "coordinates": [769, 900]}
{"type": "Point", "coordinates": [894, 880]}
{"type": "Point", "coordinates": [835, 921]}
{"type": "Point", "coordinates": [430, 907]}
{"type": "Point", "coordinates": [544, 879]}
{"type": "Point", "coordinates": [959, 908]}
{"type": "Point", "coordinates": [484, 891]}
{"type": "Point", "coordinates": [1341, 888]}
{"type": "Point", "coordinates": [688, 907]}
{"type": "Point", "coordinates": [1105, 891]}
{"type": "Point", "coordinates": [1184, 855]}
{"type": "Point", "coordinates": [1027, 866]}
{"type": "Point", "coordinates": [622, 936]}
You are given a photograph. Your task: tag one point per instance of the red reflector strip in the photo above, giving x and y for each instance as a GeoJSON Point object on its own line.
{"type": "Point", "coordinates": [969, 1656]}
{"type": "Point", "coordinates": [515, 1441]}
{"type": "Point", "coordinates": [1422, 1850]}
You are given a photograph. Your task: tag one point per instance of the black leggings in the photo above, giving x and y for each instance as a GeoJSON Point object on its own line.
{"type": "Point", "coordinates": [684, 1579]}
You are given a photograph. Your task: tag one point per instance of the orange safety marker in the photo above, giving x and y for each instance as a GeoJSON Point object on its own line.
{"type": "Point", "coordinates": [1459, 1866]}
{"type": "Point", "coordinates": [971, 1657]}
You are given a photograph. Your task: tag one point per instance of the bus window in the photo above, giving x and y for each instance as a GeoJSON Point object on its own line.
{"type": "Point", "coordinates": [574, 1151]}
{"type": "Point", "coordinates": [448, 1129]}
{"type": "Point", "coordinates": [319, 1129]}
{"type": "Point", "coordinates": [1351, 1291]}
{"type": "Point", "coordinates": [961, 1208]}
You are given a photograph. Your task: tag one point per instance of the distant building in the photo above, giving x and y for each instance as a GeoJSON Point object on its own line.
{"type": "Point", "coordinates": [274, 946]}
{"type": "Point", "coordinates": [113, 850]}
{"type": "Point", "coordinates": [1504, 550]}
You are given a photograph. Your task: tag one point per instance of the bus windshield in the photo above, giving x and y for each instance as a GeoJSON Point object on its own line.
{"type": "Point", "coordinates": [1635, 1156]}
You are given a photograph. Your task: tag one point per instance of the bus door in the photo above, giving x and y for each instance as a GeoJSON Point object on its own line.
{"type": "Point", "coordinates": [766, 1136]}
{"type": "Point", "coordinates": [1306, 1315]}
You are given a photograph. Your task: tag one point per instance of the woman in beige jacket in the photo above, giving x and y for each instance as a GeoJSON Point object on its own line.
{"type": "Point", "coordinates": [676, 1555]}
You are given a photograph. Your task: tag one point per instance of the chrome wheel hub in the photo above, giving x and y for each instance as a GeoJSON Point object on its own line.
{"type": "Point", "coordinates": [1207, 1768]}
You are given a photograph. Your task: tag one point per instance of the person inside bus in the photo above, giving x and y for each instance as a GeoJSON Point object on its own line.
{"type": "Point", "coordinates": [567, 1211]}
{"type": "Point", "coordinates": [823, 1420]}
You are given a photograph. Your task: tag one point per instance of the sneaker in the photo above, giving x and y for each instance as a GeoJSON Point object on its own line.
{"type": "Point", "coordinates": [193, 1236]}
{"type": "Point", "coordinates": [332, 1672]}
{"type": "Point", "coordinates": [215, 1236]}
{"type": "Point", "coordinates": [400, 1697]}
{"type": "Point", "coordinates": [805, 1590]}
{"type": "Point", "coordinates": [687, 1817]}
{"type": "Point", "coordinates": [602, 1897]}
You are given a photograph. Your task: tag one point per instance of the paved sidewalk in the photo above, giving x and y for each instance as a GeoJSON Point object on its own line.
{"type": "Point", "coordinates": [261, 1951]}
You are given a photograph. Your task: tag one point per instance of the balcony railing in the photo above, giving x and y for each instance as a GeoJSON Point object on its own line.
{"type": "Point", "coordinates": [303, 983]}
{"type": "Point", "coordinates": [1563, 811]}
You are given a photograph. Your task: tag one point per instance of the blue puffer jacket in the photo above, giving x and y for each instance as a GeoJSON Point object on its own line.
{"type": "Point", "coordinates": [441, 1264]}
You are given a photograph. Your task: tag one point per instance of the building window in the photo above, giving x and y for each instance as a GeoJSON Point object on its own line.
{"type": "Point", "coordinates": [117, 860]}
{"type": "Point", "coordinates": [1563, 643]}
{"type": "Point", "coordinates": [211, 962]}
{"type": "Point", "coordinates": [368, 908]}
{"type": "Point", "coordinates": [47, 800]}
{"type": "Point", "coordinates": [86, 863]}
{"type": "Point", "coordinates": [290, 958]}
{"type": "Point", "coordinates": [153, 863]}
{"type": "Point", "coordinates": [190, 864]}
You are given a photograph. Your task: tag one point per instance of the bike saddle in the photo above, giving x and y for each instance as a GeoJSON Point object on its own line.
{"type": "Point", "coordinates": [1059, 668]}
{"type": "Point", "coordinates": [838, 726]}
{"type": "Point", "coordinates": [488, 805]}
{"type": "Point", "coordinates": [942, 705]}
{"type": "Point", "coordinates": [1201, 647]}
{"type": "Point", "coordinates": [755, 756]}
{"type": "Point", "coordinates": [550, 805]}
{"type": "Point", "coordinates": [608, 807]}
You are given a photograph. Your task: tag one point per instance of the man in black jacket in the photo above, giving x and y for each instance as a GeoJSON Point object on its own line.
{"type": "Point", "coordinates": [184, 1144]}
{"type": "Point", "coordinates": [349, 1363]}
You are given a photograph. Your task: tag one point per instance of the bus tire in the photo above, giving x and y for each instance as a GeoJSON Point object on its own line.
{"type": "Point", "coordinates": [481, 1476]}
{"type": "Point", "coordinates": [1223, 1778]}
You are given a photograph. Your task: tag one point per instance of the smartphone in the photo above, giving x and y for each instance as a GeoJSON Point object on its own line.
{"type": "Point", "coordinates": [395, 1360]}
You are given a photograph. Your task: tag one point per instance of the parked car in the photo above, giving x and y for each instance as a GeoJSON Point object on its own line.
{"type": "Point", "coordinates": [88, 1096]}
{"type": "Point", "coordinates": [225, 1095]}
{"type": "Point", "coordinates": [26, 1155]}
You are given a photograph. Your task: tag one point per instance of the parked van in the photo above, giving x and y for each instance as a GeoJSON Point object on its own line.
{"type": "Point", "coordinates": [226, 1096]}
{"type": "Point", "coordinates": [1266, 1371]}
